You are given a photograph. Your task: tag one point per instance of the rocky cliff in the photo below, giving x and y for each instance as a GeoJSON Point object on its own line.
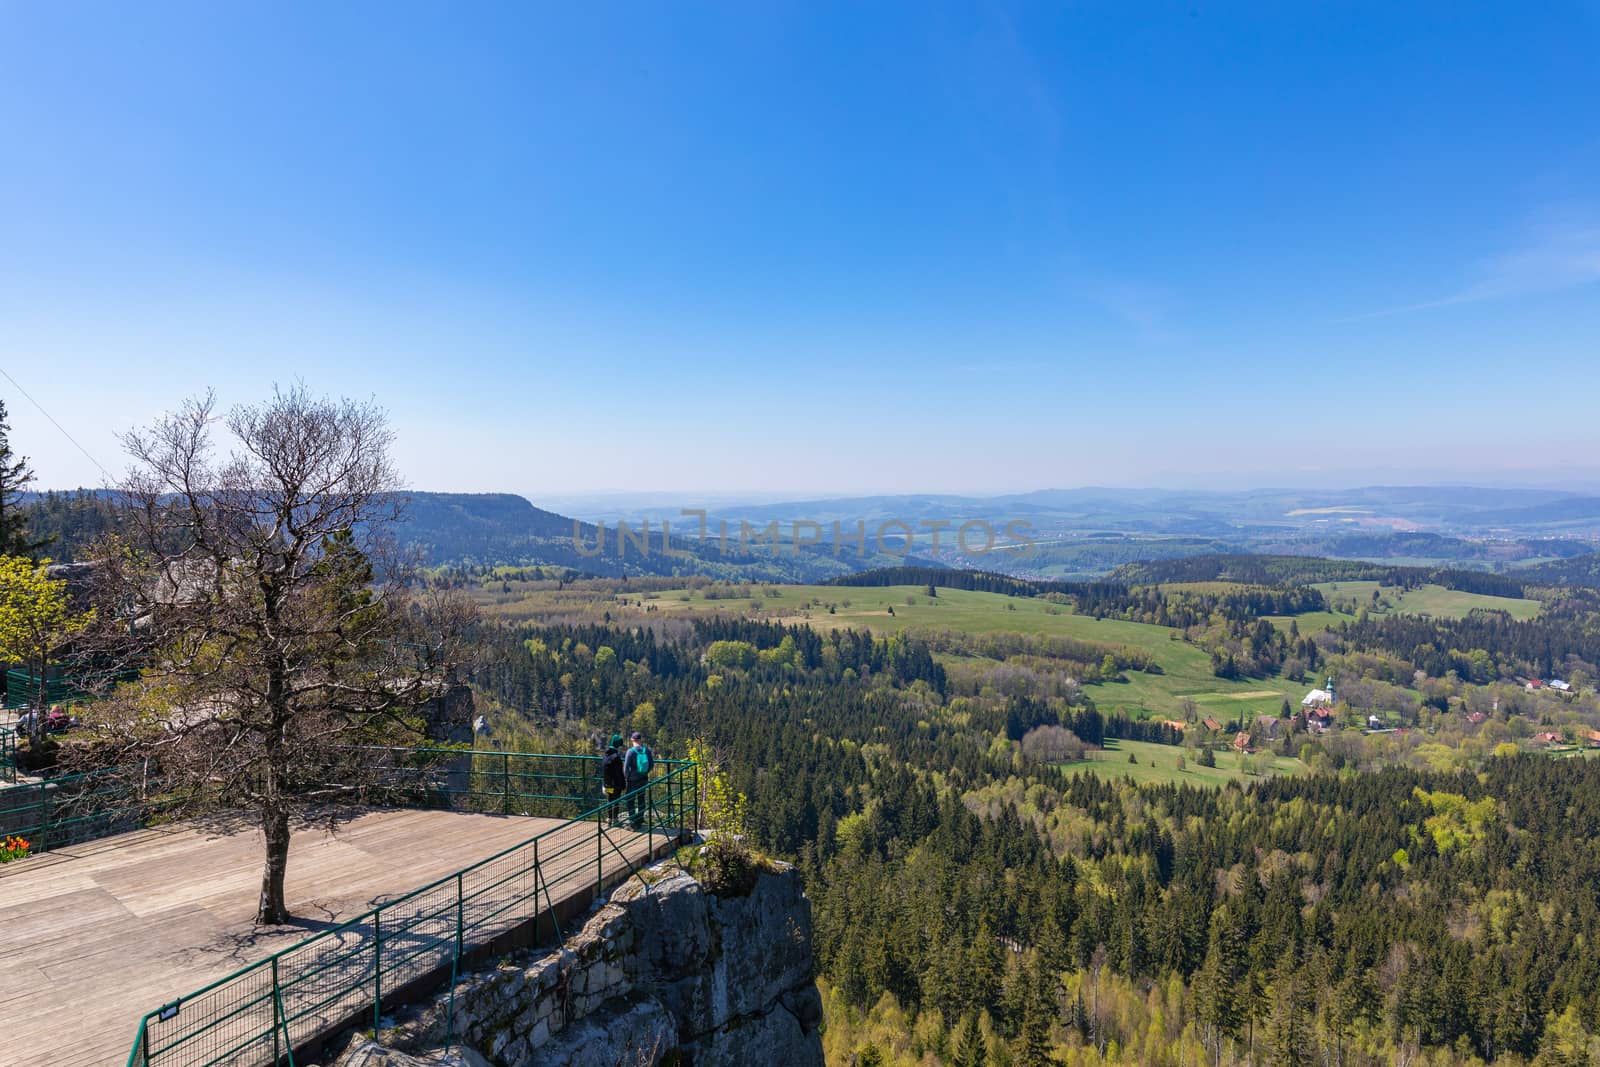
{"type": "Point", "coordinates": [664, 973]}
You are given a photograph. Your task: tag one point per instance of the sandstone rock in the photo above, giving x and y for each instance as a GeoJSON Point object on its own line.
{"type": "Point", "coordinates": [636, 1032]}
{"type": "Point", "coordinates": [672, 924]}
{"type": "Point", "coordinates": [776, 1037]}
{"type": "Point", "coordinates": [364, 1052]}
{"type": "Point", "coordinates": [723, 981]}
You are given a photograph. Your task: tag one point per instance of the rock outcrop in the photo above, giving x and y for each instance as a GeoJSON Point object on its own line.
{"type": "Point", "coordinates": [667, 973]}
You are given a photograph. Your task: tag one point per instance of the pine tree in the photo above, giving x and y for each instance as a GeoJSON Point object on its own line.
{"type": "Point", "coordinates": [983, 969]}
{"type": "Point", "coordinates": [1216, 983]}
{"type": "Point", "coordinates": [1039, 1017]}
{"type": "Point", "coordinates": [868, 1055]}
{"type": "Point", "coordinates": [973, 1052]}
{"type": "Point", "coordinates": [15, 477]}
{"type": "Point", "coordinates": [1035, 1050]}
{"type": "Point", "coordinates": [1289, 1024]}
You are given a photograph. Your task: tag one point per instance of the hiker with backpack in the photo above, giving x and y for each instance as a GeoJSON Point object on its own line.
{"type": "Point", "coordinates": [636, 772]}
{"type": "Point", "coordinates": [612, 779]}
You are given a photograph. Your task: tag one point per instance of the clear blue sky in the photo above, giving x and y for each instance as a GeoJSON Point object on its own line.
{"type": "Point", "coordinates": [818, 247]}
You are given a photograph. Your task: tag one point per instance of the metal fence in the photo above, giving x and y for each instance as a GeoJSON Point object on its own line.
{"type": "Point", "coordinates": [8, 754]}
{"type": "Point", "coordinates": [72, 808]}
{"type": "Point", "coordinates": [78, 807]}
{"type": "Point", "coordinates": [511, 783]}
{"type": "Point", "coordinates": [346, 975]}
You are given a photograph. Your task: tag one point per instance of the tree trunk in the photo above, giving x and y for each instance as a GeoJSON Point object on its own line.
{"type": "Point", "coordinates": [36, 729]}
{"type": "Point", "coordinates": [272, 910]}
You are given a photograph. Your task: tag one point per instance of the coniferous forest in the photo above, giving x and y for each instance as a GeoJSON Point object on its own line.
{"type": "Point", "coordinates": [975, 905]}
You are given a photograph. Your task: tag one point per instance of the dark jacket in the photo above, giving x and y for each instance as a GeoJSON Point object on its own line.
{"type": "Point", "coordinates": [630, 763]}
{"type": "Point", "coordinates": [611, 775]}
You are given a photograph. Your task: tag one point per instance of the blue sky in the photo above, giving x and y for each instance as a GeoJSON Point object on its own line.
{"type": "Point", "coordinates": [818, 248]}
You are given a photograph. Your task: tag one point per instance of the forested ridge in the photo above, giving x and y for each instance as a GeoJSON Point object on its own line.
{"type": "Point", "coordinates": [974, 905]}
{"type": "Point", "coordinates": [1301, 570]}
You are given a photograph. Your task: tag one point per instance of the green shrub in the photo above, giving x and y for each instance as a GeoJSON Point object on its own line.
{"type": "Point", "coordinates": [728, 867]}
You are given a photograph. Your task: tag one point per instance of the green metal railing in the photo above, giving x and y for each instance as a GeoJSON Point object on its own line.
{"type": "Point", "coordinates": [78, 807]}
{"type": "Point", "coordinates": [8, 754]}
{"type": "Point", "coordinates": [22, 689]}
{"type": "Point", "coordinates": [74, 808]}
{"type": "Point", "coordinates": [347, 975]}
{"type": "Point", "coordinates": [511, 783]}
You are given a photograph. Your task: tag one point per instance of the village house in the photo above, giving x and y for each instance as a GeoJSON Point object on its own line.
{"type": "Point", "coordinates": [1559, 686]}
{"type": "Point", "coordinates": [1319, 719]}
{"type": "Point", "coordinates": [1241, 743]}
{"type": "Point", "coordinates": [1211, 724]}
{"type": "Point", "coordinates": [1548, 737]}
{"type": "Point", "coordinates": [1316, 698]}
{"type": "Point", "coordinates": [1267, 725]}
{"type": "Point", "coordinates": [1477, 718]}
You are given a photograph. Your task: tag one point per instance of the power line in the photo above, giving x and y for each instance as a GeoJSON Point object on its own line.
{"type": "Point", "coordinates": [109, 478]}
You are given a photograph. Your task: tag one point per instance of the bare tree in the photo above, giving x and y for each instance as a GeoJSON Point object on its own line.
{"type": "Point", "coordinates": [276, 627]}
{"type": "Point", "coordinates": [1051, 744]}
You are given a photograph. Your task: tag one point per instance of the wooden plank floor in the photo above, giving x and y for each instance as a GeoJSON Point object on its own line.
{"type": "Point", "coordinates": [95, 935]}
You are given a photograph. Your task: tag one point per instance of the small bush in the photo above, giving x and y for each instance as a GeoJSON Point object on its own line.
{"type": "Point", "coordinates": [727, 866]}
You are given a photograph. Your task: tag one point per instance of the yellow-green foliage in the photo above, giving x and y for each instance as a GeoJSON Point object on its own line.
{"type": "Point", "coordinates": [36, 617]}
{"type": "Point", "coordinates": [1457, 822]}
{"type": "Point", "coordinates": [723, 655]}
{"type": "Point", "coordinates": [721, 806]}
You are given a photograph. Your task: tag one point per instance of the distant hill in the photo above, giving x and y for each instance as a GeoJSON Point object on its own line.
{"type": "Point", "coordinates": [1077, 535]}
{"type": "Point", "coordinates": [1304, 570]}
{"type": "Point", "coordinates": [1582, 511]}
{"type": "Point", "coordinates": [490, 528]}
{"type": "Point", "coordinates": [1580, 570]}
{"type": "Point", "coordinates": [502, 529]}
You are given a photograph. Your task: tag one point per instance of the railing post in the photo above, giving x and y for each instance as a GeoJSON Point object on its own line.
{"type": "Point", "coordinates": [455, 966]}
{"type": "Point", "coordinates": [377, 969]}
{"type": "Point", "coordinates": [505, 783]}
{"type": "Point", "coordinates": [44, 815]}
{"type": "Point", "coordinates": [277, 1015]}
{"type": "Point", "coordinates": [599, 859]}
{"type": "Point", "coordinates": [650, 823]}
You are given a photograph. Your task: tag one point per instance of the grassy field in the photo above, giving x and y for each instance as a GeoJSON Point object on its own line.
{"type": "Point", "coordinates": [1429, 600]}
{"type": "Point", "coordinates": [1159, 763]}
{"type": "Point", "coordinates": [1312, 622]}
{"type": "Point", "coordinates": [1186, 669]}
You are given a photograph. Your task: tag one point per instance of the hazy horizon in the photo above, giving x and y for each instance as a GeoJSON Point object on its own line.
{"type": "Point", "coordinates": [1577, 481]}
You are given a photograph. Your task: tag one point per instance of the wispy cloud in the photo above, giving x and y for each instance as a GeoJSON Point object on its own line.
{"type": "Point", "coordinates": [1553, 255]}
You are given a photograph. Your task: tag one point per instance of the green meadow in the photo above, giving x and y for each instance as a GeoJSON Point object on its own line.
{"type": "Point", "coordinates": [1159, 764]}
{"type": "Point", "coordinates": [1433, 600]}
{"type": "Point", "coordinates": [1185, 669]}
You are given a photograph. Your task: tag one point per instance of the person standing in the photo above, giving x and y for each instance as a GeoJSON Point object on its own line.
{"type": "Point", "coordinates": [636, 772]}
{"type": "Point", "coordinates": [612, 779]}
